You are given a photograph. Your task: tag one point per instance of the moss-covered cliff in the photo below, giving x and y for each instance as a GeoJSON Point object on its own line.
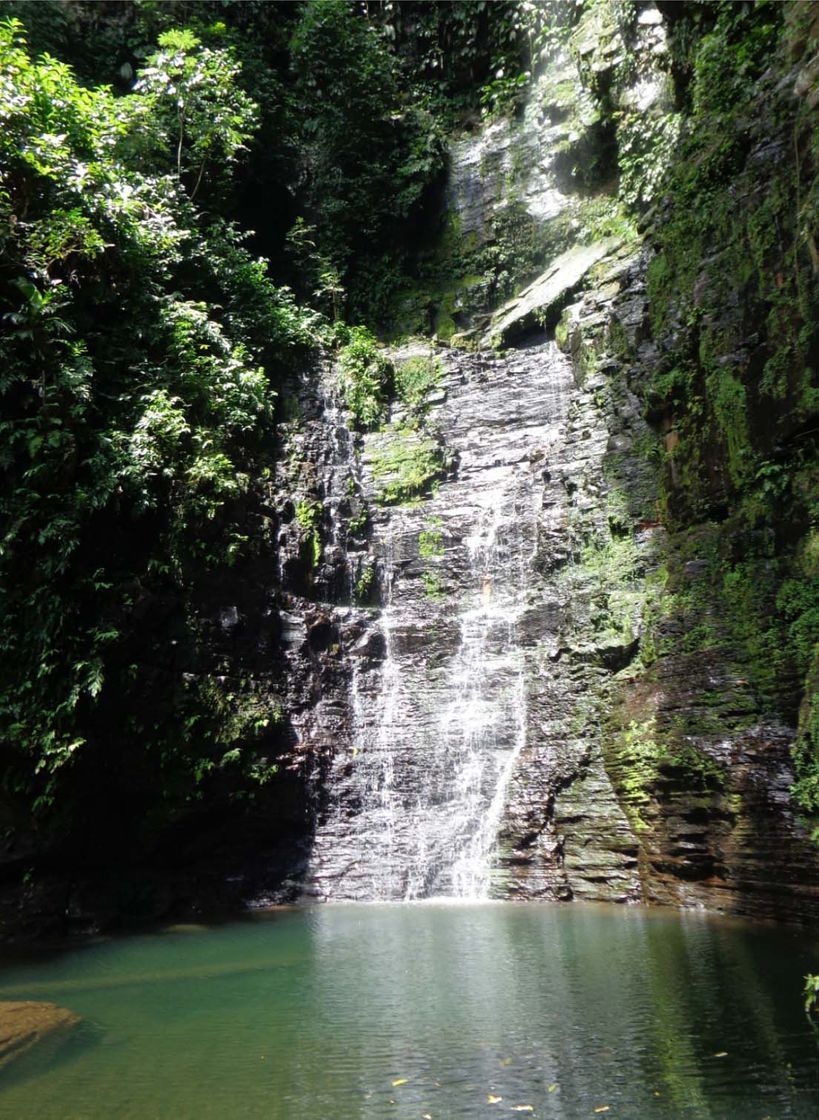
{"type": "Point", "coordinates": [732, 308]}
{"type": "Point", "coordinates": [706, 733]}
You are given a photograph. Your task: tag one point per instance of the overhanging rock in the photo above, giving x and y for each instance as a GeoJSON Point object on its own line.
{"type": "Point", "coordinates": [545, 297]}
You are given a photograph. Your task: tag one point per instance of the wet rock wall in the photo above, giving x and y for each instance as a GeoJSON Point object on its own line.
{"type": "Point", "coordinates": [647, 755]}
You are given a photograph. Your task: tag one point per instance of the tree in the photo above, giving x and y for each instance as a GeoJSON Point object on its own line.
{"type": "Point", "coordinates": [191, 103]}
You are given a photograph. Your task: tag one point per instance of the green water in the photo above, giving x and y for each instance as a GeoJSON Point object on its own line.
{"type": "Point", "coordinates": [315, 1013]}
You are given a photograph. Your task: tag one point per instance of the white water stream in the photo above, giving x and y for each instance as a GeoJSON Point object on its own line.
{"type": "Point", "coordinates": [440, 717]}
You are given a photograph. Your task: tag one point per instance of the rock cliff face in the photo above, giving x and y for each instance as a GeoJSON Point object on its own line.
{"type": "Point", "coordinates": [539, 677]}
{"type": "Point", "coordinates": [440, 676]}
{"type": "Point", "coordinates": [699, 764]}
{"type": "Point", "coordinates": [492, 723]}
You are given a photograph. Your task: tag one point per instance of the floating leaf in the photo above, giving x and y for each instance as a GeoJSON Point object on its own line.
{"type": "Point", "coordinates": [399, 1081]}
{"type": "Point", "coordinates": [492, 1099]}
{"type": "Point", "coordinates": [721, 1054]}
{"type": "Point", "coordinates": [552, 1087]}
{"type": "Point", "coordinates": [523, 1108]}
{"type": "Point", "coordinates": [603, 1108]}
{"type": "Point", "coordinates": [505, 1062]}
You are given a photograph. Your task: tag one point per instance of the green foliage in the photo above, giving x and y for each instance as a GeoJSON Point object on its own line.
{"type": "Point", "coordinates": [806, 760]}
{"type": "Point", "coordinates": [431, 547]}
{"type": "Point", "coordinates": [721, 408]}
{"type": "Point", "coordinates": [730, 58]}
{"type": "Point", "coordinates": [232, 719]}
{"type": "Point", "coordinates": [502, 93]}
{"type": "Point", "coordinates": [733, 301]}
{"type": "Point", "coordinates": [609, 560]}
{"type": "Point", "coordinates": [806, 749]}
{"type": "Point", "coordinates": [811, 993]}
{"type": "Point", "coordinates": [643, 753]}
{"type": "Point", "coordinates": [317, 271]}
{"type": "Point", "coordinates": [310, 516]}
{"type": "Point", "coordinates": [433, 588]}
{"type": "Point", "coordinates": [405, 465]}
{"type": "Point", "coordinates": [357, 524]}
{"type": "Point", "coordinates": [458, 47]}
{"type": "Point", "coordinates": [137, 400]}
{"type": "Point", "coordinates": [195, 107]}
{"type": "Point", "coordinates": [364, 376]}
{"type": "Point", "coordinates": [798, 602]}
{"type": "Point", "coordinates": [430, 544]}
{"type": "Point", "coordinates": [645, 144]}
{"type": "Point", "coordinates": [637, 754]}
{"type": "Point", "coordinates": [367, 152]}
{"type": "Point", "coordinates": [364, 584]}
{"type": "Point", "coordinates": [415, 378]}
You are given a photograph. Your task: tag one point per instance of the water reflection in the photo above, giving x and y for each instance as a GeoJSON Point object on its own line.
{"type": "Point", "coordinates": [568, 1011]}
{"type": "Point", "coordinates": [363, 1012]}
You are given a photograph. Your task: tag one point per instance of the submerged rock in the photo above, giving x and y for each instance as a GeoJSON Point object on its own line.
{"type": "Point", "coordinates": [26, 1023]}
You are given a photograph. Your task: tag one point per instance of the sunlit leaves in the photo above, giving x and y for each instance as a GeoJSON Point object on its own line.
{"type": "Point", "coordinates": [195, 106]}
{"type": "Point", "coordinates": [363, 377]}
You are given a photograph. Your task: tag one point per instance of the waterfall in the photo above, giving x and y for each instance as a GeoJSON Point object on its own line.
{"type": "Point", "coordinates": [484, 727]}
{"type": "Point", "coordinates": [440, 712]}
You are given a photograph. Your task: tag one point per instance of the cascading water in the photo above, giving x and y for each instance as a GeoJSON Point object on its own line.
{"type": "Point", "coordinates": [441, 675]}
{"type": "Point", "coordinates": [484, 728]}
{"type": "Point", "coordinates": [481, 752]}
